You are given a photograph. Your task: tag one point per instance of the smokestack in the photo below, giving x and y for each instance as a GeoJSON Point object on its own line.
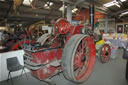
{"type": "Point", "coordinates": [91, 13]}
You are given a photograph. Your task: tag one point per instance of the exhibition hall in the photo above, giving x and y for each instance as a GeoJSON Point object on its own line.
{"type": "Point", "coordinates": [63, 42]}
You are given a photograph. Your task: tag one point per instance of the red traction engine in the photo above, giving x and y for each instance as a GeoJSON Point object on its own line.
{"type": "Point", "coordinates": [68, 50]}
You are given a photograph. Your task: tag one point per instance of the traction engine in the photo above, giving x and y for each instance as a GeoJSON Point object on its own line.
{"type": "Point", "coordinates": [68, 50]}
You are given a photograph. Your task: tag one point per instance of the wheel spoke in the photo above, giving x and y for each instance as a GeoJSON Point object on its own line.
{"type": "Point", "coordinates": [86, 63]}
{"type": "Point", "coordinates": [83, 46]}
{"type": "Point", "coordinates": [76, 61]}
{"type": "Point", "coordinates": [79, 61]}
{"type": "Point", "coordinates": [79, 48]}
{"type": "Point", "coordinates": [78, 53]}
{"type": "Point", "coordinates": [79, 70]}
{"type": "Point", "coordinates": [86, 53]}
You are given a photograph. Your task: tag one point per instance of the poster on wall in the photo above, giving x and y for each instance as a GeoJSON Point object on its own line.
{"type": "Point", "coordinates": [119, 28]}
{"type": "Point", "coordinates": [125, 28]}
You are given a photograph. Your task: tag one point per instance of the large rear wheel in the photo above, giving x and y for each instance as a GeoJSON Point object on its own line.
{"type": "Point", "coordinates": [78, 58]}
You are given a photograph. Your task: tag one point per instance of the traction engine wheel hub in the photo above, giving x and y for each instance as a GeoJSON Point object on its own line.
{"type": "Point", "coordinates": [106, 53]}
{"type": "Point", "coordinates": [83, 59]}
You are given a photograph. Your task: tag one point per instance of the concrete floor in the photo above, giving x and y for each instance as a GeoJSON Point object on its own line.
{"type": "Point", "coordinates": [111, 73]}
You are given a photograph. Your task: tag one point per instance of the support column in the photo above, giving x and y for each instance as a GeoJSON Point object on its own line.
{"type": "Point", "coordinates": [106, 24]}
{"type": "Point", "coordinates": [69, 13]}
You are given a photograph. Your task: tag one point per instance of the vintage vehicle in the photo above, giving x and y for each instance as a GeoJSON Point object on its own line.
{"type": "Point", "coordinates": [15, 37]}
{"type": "Point", "coordinates": [68, 50]}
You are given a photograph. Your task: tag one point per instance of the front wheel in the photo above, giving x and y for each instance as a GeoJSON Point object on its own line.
{"type": "Point", "coordinates": [78, 58]}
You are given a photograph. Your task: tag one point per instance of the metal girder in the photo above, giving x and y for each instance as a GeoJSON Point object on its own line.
{"type": "Point", "coordinates": [20, 19]}
{"type": "Point", "coordinates": [116, 13]}
{"type": "Point", "coordinates": [54, 1]}
{"type": "Point", "coordinates": [80, 1]}
{"type": "Point", "coordinates": [37, 10]}
{"type": "Point", "coordinates": [122, 4]}
{"type": "Point", "coordinates": [73, 3]}
{"type": "Point", "coordinates": [85, 4]}
{"type": "Point", "coordinates": [52, 12]}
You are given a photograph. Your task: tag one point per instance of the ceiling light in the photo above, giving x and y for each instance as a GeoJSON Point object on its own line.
{"type": "Point", "coordinates": [45, 5]}
{"type": "Point", "coordinates": [125, 13]}
{"type": "Point", "coordinates": [122, 14]}
{"type": "Point", "coordinates": [48, 5]}
{"type": "Point", "coordinates": [109, 4]}
{"type": "Point", "coordinates": [123, 0]}
{"type": "Point", "coordinates": [27, 2]}
{"type": "Point", "coordinates": [117, 5]}
{"type": "Point", "coordinates": [2, 0]}
{"type": "Point", "coordinates": [62, 7]}
{"type": "Point", "coordinates": [51, 3]}
{"type": "Point", "coordinates": [74, 10]}
{"type": "Point", "coordinates": [114, 2]}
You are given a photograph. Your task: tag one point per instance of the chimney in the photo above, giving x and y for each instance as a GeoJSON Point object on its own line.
{"type": "Point", "coordinates": [91, 13]}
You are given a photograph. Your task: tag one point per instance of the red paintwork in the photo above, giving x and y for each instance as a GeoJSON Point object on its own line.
{"type": "Point", "coordinates": [74, 30]}
{"type": "Point", "coordinates": [84, 15]}
{"type": "Point", "coordinates": [46, 57]}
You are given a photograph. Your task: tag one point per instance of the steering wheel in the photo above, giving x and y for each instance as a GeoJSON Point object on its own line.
{"type": "Point", "coordinates": [62, 26]}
